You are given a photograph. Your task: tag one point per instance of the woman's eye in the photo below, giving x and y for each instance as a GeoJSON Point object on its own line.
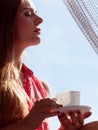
{"type": "Point", "coordinates": [28, 13]}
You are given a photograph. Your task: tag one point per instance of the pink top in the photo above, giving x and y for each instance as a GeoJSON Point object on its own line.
{"type": "Point", "coordinates": [35, 91]}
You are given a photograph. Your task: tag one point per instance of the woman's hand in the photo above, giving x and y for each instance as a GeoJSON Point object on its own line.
{"type": "Point", "coordinates": [73, 120]}
{"type": "Point", "coordinates": [42, 109]}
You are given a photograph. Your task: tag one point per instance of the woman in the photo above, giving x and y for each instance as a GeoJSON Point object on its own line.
{"type": "Point", "coordinates": [24, 99]}
{"type": "Point", "coordinates": [19, 88]}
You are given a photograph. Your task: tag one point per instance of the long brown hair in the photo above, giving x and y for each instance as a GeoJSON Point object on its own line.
{"type": "Point", "coordinates": [12, 94]}
{"type": "Point", "coordinates": [8, 11]}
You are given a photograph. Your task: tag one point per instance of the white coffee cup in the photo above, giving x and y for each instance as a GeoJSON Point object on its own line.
{"type": "Point", "coordinates": [68, 98]}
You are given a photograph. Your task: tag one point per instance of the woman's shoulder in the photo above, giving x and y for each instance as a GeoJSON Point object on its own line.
{"type": "Point", "coordinates": [27, 72]}
{"type": "Point", "coordinates": [47, 87]}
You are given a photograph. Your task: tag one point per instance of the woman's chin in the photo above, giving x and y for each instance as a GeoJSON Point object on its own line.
{"type": "Point", "coordinates": [37, 40]}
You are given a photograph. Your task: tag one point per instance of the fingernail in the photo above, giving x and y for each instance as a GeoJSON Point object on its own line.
{"type": "Point", "coordinates": [58, 112]}
{"type": "Point", "coordinates": [54, 99]}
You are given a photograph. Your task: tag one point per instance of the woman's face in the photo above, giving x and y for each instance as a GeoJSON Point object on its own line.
{"type": "Point", "coordinates": [26, 26]}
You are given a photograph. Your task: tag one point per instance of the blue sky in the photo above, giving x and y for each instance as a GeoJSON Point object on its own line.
{"type": "Point", "coordinates": [64, 58]}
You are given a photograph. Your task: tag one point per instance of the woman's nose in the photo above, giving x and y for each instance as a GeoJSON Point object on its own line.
{"type": "Point", "coordinates": [38, 20]}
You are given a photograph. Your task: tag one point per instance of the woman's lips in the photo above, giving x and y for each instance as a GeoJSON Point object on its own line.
{"type": "Point", "coordinates": [38, 30]}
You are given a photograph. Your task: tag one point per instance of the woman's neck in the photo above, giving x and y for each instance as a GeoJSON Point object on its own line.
{"type": "Point", "coordinates": [19, 65]}
{"type": "Point", "coordinates": [18, 61]}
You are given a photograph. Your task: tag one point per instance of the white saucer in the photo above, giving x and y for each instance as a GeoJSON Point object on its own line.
{"type": "Point", "coordinates": [82, 108]}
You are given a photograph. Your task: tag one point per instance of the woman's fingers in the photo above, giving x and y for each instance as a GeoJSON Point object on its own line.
{"type": "Point", "coordinates": [76, 119]}
{"type": "Point", "coordinates": [87, 114]}
{"type": "Point", "coordinates": [80, 117]}
{"type": "Point", "coordinates": [65, 122]}
{"type": "Point", "coordinates": [46, 107]}
{"type": "Point", "coordinates": [72, 120]}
